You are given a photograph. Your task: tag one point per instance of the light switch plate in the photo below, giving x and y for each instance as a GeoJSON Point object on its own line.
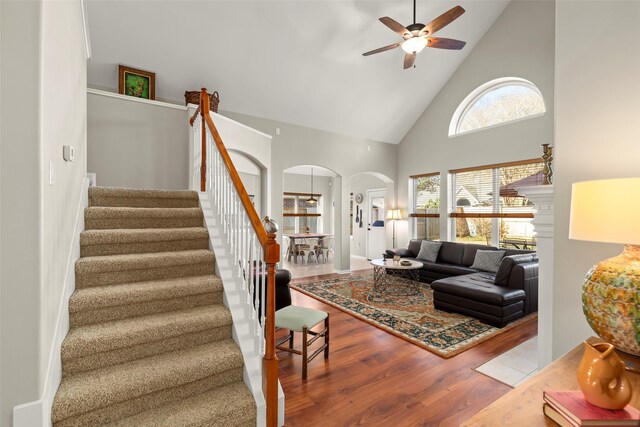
{"type": "Point", "coordinates": [51, 173]}
{"type": "Point", "coordinates": [68, 153]}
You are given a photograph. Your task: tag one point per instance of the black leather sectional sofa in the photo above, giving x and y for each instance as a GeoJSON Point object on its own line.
{"type": "Point", "coordinates": [495, 298]}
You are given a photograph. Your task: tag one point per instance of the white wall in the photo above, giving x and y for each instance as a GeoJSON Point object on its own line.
{"type": "Point", "coordinates": [519, 44]}
{"type": "Point", "coordinates": [597, 132]}
{"type": "Point", "coordinates": [344, 155]}
{"type": "Point", "coordinates": [42, 44]}
{"type": "Point", "coordinates": [137, 144]}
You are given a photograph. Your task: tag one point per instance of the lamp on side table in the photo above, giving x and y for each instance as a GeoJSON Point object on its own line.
{"type": "Point", "coordinates": [609, 211]}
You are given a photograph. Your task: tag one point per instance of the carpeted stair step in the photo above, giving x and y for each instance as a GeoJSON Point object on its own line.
{"type": "Point", "coordinates": [97, 346]}
{"type": "Point", "coordinates": [116, 269]}
{"type": "Point", "coordinates": [115, 392]}
{"type": "Point", "coordinates": [100, 218]}
{"type": "Point", "coordinates": [107, 196]}
{"type": "Point", "coordinates": [128, 241]}
{"type": "Point", "coordinates": [114, 302]}
{"type": "Point", "coordinates": [231, 405]}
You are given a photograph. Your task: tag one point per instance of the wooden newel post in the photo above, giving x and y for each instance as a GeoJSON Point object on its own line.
{"type": "Point", "coordinates": [270, 361]}
{"type": "Point", "coordinates": [204, 110]}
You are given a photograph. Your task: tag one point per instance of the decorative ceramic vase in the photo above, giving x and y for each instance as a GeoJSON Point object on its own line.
{"type": "Point", "coordinates": [602, 377]}
{"type": "Point", "coordinates": [611, 300]}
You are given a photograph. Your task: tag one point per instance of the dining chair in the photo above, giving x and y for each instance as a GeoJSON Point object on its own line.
{"type": "Point", "coordinates": [326, 248]}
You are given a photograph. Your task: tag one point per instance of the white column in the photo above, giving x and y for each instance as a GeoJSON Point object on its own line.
{"type": "Point", "coordinates": [542, 198]}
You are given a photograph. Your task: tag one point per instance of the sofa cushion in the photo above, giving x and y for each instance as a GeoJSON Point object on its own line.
{"type": "Point", "coordinates": [507, 263]}
{"type": "Point", "coordinates": [443, 268]}
{"type": "Point", "coordinates": [429, 250]}
{"type": "Point", "coordinates": [478, 287]}
{"type": "Point", "coordinates": [488, 260]}
{"type": "Point", "coordinates": [451, 253]}
{"type": "Point", "coordinates": [414, 247]}
{"type": "Point", "coordinates": [469, 254]}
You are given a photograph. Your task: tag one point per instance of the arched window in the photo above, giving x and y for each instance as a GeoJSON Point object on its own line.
{"type": "Point", "coordinates": [497, 102]}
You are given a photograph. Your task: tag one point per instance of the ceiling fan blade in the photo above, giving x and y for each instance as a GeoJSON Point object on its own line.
{"type": "Point", "coordinates": [442, 21]}
{"type": "Point", "coordinates": [395, 26]}
{"type": "Point", "coordinates": [382, 49]}
{"type": "Point", "coordinates": [444, 43]}
{"type": "Point", "coordinates": [409, 59]}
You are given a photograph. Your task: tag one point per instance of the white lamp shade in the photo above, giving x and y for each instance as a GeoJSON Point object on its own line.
{"type": "Point", "coordinates": [606, 211]}
{"type": "Point", "coordinates": [394, 214]}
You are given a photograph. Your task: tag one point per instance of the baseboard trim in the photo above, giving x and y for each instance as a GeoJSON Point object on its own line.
{"type": "Point", "coordinates": [38, 413]}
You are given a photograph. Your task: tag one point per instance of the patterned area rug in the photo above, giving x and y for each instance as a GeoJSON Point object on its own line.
{"type": "Point", "coordinates": [411, 317]}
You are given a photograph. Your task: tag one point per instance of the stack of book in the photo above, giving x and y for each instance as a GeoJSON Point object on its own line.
{"type": "Point", "coordinates": [569, 409]}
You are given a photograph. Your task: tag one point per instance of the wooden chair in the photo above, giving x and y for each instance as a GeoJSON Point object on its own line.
{"type": "Point", "coordinates": [302, 319]}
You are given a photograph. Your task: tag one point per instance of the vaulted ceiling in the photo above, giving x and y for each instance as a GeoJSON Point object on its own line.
{"type": "Point", "coordinates": [295, 61]}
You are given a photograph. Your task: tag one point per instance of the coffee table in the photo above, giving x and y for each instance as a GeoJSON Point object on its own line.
{"type": "Point", "coordinates": [390, 277]}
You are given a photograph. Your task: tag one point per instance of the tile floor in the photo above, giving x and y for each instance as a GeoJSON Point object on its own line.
{"type": "Point", "coordinates": [312, 269]}
{"type": "Point", "coordinates": [514, 366]}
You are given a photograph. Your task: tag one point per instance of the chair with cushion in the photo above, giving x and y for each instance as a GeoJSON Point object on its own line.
{"type": "Point", "coordinates": [302, 319]}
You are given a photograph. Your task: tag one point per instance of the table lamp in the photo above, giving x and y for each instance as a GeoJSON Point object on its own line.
{"type": "Point", "coordinates": [394, 215]}
{"type": "Point", "coordinates": [609, 211]}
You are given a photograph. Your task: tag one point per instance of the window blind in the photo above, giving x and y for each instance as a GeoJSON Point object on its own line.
{"type": "Point", "coordinates": [491, 192]}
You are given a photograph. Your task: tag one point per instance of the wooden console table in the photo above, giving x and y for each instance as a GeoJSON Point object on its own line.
{"type": "Point", "coordinates": [522, 406]}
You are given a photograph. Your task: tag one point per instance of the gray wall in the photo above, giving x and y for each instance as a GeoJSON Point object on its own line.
{"type": "Point", "coordinates": [519, 44]}
{"type": "Point", "coordinates": [135, 144]}
{"type": "Point", "coordinates": [597, 130]}
{"type": "Point", "coordinates": [360, 184]}
{"type": "Point", "coordinates": [344, 155]}
{"type": "Point", "coordinates": [43, 47]}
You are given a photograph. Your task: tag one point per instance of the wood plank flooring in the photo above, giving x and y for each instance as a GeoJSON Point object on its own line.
{"type": "Point", "coordinates": [373, 378]}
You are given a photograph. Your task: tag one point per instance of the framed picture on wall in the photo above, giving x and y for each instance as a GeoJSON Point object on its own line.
{"type": "Point", "coordinates": [138, 83]}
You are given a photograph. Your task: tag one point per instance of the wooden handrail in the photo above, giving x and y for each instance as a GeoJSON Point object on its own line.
{"type": "Point", "coordinates": [271, 251]}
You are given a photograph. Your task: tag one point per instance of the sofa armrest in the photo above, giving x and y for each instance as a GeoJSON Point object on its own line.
{"type": "Point", "coordinates": [403, 252]}
{"type": "Point", "coordinates": [525, 276]}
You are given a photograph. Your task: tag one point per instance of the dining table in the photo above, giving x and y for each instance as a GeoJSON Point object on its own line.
{"type": "Point", "coordinates": [302, 236]}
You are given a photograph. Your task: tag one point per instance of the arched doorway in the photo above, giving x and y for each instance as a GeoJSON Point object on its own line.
{"type": "Point", "coordinates": [308, 208]}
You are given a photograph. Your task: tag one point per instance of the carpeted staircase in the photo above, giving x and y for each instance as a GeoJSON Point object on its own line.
{"type": "Point", "coordinates": [150, 340]}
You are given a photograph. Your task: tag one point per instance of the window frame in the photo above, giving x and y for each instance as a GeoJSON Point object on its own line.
{"type": "Point", "coordinates": [414, 215]}
{"type": "Point", "coordinates": [470, 101]}
{"type": "Point", "coordinates": [496, 214]}
{"type": "Point", "coordinates": [296, 214]}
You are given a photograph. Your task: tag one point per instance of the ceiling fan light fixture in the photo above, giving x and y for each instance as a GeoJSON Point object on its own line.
{"type": "Point", "coordinates": [414, 44]}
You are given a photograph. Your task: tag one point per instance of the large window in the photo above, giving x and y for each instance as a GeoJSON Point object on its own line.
{"type": "Point", "coordinates": [496, 102]}
{"type": "Point", "coordinates": [486, 205]}
{"type": "Point", "coordinates": [426, 206]}
{"type": "Point", "coordinates": [299, 214]}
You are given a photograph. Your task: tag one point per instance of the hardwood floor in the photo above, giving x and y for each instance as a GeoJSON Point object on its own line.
{"type": "Point", "coordinates": [376, 379]}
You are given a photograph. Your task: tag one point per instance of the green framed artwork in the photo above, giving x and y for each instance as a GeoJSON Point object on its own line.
{"type": "Point", "coordinates": [138, 83]}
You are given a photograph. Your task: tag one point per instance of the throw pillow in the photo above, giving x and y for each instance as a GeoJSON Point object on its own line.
{"type": "Point", "coordinates": [488, 260]}
{"type": "Point", "coordinates": [429, 250]}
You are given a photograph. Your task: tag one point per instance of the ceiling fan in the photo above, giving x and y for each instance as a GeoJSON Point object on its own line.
{"type": "Point", "coordinates": [418, 36]}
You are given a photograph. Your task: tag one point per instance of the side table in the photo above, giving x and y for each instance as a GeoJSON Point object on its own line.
{"type": "Point", "coordinates": [406, 277]}
{"type": "Point", "coordinates": [522, 406]}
